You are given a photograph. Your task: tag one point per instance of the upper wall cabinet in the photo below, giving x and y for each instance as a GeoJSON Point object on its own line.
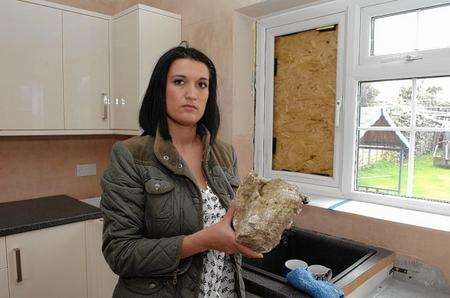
{"type": "Point", "coordinates": [31, 75]}
{"type": "Point", "coordinates": [140, 35]}
{"type": "Point", "coordinates": [70, 71]}
{"type": "Point", "coordinates": [86, 71]}
{"type": "Point", "coordinates": [124, 72]}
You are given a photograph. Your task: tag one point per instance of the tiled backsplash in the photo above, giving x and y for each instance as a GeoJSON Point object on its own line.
{"type": "Point", "coordinates": [40, 166]}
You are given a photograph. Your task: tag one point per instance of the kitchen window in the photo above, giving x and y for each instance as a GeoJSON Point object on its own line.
{"type": "Point", "coordinates": [403, 138]}
{"type": "Point", "coordinates": [300, 132]}
{"type": "Point", "coordinates": [404, 31]}
{"type": "Point", "coordinates": [392, 127]}
{"type": "Point", "coordinates": [400, 94]}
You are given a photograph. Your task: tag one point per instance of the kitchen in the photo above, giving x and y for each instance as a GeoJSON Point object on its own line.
{"type": "Point", "coordinates": [73, 73]}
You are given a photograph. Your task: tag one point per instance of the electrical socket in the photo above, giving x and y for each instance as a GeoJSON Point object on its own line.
{"type": "Point", "coordinates": [89, 169]}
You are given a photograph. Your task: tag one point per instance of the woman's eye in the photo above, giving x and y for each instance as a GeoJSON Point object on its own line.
{"type": "Point", "coordinates": [203, 85]}
{"type": "Point", "coordinates": [178, 82]}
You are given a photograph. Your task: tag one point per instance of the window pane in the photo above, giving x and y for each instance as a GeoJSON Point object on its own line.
{"type": "Point", "coordinates": [382, 160]}
{"type": "Point", "coordinates": [433, 102]}
{"type": "Point", "coordinates": [385, 103]}
{"type": "Point", "coordinates": [432, 166]}
{"type": "Point", "coordinates": [395, 34]}
{"type": "Point", "coordinates": [431, 22]}
{"type": "Point", "coordinates": [411, 31]}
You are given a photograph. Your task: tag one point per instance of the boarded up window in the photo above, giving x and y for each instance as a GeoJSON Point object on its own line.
{"type": "Point", "coordinates": [304, 101]}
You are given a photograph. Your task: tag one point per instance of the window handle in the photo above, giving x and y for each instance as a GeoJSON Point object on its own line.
{"type": "Point", "coordinates": [337, 114]}
{"type": "Point", "coordinates": [410, 58]}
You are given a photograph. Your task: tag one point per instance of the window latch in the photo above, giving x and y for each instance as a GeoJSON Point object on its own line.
{"type": "Point", "coordinates": [337, 113]}
{"type": "Point", "coordinates": [410, 58]}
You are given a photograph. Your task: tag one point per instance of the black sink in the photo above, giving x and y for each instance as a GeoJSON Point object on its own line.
{"type": "Point", "coordinates": [341, 255]}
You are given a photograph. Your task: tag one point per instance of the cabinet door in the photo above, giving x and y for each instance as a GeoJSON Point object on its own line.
{"type": "Point", "coordinates": [4, 291]}
{"type": "Point", "coordinates": [86, 71]}
{"type": "Point", "coordinates": [167, 31]}
{"type": "Point", "coordinates": [124, 101]}
{"type": "Point", "coordinates": [2, 253]}
{"type": "Point", "coordinates": [101, 280]}
{"type": "Point", "coordinates": [31, 66]}
{"type": "Point", "coordinates": [52, 262]}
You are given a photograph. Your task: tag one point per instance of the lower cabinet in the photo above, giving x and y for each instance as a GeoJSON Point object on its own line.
{"type": "Point", "coordinates": [2, 253]}
{"type": "Point", "coordinates": [48, 263]}
{"type": "Point", "coordinates": [101, 280]}
{"type": "Point", "coordinates": [62, 261]}
{"type": "Point", "coordinates": [4, 289]}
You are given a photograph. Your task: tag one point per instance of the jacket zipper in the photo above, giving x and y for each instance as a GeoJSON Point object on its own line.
{"type": "Point", "coordinates": [175, 275]}
{"type": "Point", "coordinates": [213, 187]}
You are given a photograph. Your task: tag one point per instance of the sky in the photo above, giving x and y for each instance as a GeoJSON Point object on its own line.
{"type": "Point", "coordinates": [417, 30]}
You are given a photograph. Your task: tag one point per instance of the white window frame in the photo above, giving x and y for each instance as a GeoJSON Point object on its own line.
{"type": "Point", "coordinates": [268, 29]}
{"type": "Point", "coordinates": [354, 72]}
{"type": "Point", "coordinates": [391, 8]}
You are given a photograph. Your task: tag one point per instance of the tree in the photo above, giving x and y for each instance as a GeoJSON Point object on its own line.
{"type": "Point", "coordinates": [424, 98]}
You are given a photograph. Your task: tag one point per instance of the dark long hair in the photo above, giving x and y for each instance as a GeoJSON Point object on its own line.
{"type": "Point", "coordinates": [153, 109]}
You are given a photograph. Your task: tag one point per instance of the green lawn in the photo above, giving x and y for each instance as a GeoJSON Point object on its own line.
{"type": "Point", "coordinates": [429, 182]}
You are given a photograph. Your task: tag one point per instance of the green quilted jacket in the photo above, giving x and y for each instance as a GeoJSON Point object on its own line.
{"type": "Point", "coordinates": [149, 202]}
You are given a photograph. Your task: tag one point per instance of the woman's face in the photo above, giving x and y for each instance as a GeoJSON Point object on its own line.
{"type": "Point", "coordinates": [187, 91]}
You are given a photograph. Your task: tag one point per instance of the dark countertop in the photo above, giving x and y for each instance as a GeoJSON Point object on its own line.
{"type": "Point", "coordinates": [22, 216]}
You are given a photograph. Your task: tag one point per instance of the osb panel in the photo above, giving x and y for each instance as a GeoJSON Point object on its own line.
{"type": "Point", "coordinates": [304, 101]}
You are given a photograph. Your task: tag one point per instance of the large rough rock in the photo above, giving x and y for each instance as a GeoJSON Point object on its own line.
{"type": "Point", "coordinates": [264, 208]}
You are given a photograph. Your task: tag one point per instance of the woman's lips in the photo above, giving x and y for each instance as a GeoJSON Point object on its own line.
{"type": "Point", "coordinates": [189, 107]}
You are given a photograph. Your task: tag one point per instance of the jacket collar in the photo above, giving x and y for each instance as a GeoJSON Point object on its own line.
{"type": "Point", "coordinates": [168, 155]}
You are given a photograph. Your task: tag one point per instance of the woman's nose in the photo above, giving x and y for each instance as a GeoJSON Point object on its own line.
{"type": "Point", "coordinates": [191, 92]}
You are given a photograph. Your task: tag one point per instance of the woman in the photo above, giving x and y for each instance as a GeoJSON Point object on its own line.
{"type": "Point", "coordinates": [167, 194]}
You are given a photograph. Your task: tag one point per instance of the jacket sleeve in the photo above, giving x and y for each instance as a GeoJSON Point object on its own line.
{"type": "Point", "coordinates": [126, 250]}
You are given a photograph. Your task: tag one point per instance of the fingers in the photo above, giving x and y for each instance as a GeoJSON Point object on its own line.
{"type": "Point", "coordinates": [289, 225]}
{"type": "Point", "coordinates": [247, 252]}
{"type": "Point", "coordinates": [230, 212]}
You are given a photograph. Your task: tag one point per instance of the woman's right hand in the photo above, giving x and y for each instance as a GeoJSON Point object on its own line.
{"type": "Point", "coordinates": [221, 236]}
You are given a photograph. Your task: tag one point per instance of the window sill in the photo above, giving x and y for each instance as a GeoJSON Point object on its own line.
{"type": "Point", "coordinates": [388, 213]}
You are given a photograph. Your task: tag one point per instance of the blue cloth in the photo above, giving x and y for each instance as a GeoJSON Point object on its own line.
{"type": "Point", "coordinates": [303, 280]}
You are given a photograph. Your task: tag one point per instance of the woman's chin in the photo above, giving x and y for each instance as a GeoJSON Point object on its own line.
{"type": "Point", "coordinates": [187, 121]}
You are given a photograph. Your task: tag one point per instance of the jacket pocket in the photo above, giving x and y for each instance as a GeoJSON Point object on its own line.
{"type": "Point", "coordinates": [160, 197]}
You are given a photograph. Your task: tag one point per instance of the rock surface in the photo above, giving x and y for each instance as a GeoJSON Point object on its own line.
{"type": "Point", "coordinates": [264, 208]}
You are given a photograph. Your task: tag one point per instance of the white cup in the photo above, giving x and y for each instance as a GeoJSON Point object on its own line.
{"type": "Point", "coordinates": [294, 264]}
{"type": "Point", "coordinates": [321, 272]}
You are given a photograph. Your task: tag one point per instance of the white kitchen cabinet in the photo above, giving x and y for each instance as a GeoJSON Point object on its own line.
{"type": "Point", "coordinates": [86, 71]}
{"type": "Point", "coordinates": [52, 262]}
{"type": "Point", "coordinates": [101, 280]}
{"type": "Point", "coordinates": [70, 71]}
{"type": "Point", "coordinates": [2, 253]}
{"type": "Point", "coordinates": [31, 74]}
{"type": "Point", "coordinates": [140, 35]}
{"type": "Point", "coordinates": [124, 80]}
{"type": "Point", "coordinates": [4, 290]}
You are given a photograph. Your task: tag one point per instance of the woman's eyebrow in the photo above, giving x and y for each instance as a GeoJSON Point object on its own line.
{"type": "Point", "coordinates": [184, 77]}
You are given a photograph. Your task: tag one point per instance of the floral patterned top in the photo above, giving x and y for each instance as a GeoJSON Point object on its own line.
{"type": "Point", "coordinates": [218, 272]}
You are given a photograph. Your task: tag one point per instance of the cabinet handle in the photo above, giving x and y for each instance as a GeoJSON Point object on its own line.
{"type": "Point", "coordinates": [18, 265]}
{"type": "Point", "coordinates": [105, 106]}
